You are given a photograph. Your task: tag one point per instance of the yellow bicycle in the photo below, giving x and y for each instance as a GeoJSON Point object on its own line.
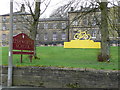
{"type": "Point", "coordinates": [82, 35]}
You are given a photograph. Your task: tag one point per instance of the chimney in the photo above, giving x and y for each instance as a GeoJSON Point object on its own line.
{"type": "Point", "coordinates": [119, 3]}
{"type": "Point", "coordinates": [81, 7]}
{"type": "Point", "coordinates": [72, 9]}
{"type": "Point", "coordinates": [23, 8]}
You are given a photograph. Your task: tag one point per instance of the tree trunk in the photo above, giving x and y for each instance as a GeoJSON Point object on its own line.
{"type": "Point", "coordinates": [34, 25]}
{"type": "Point", "coordinates": [33, 33]}
{"type": "Point", "coordinates": [118, 24]}
{"type": "Point", "coordinates": [105, 42]}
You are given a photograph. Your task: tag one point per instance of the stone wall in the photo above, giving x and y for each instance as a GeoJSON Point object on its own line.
{"type": "Point", "coordinates": [53, 77]}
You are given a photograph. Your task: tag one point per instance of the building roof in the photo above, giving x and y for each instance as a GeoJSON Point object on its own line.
{"type": "Point", "coordinates": [21, 12]}
{"type": "Point", "coordinates": [41, 19]}
{"type": "Point", "coordinates": [86, 9]}
{"type": "Point", "coordinates": [53, 19]}
{"type": "Point", "coordinates": [17, 13]}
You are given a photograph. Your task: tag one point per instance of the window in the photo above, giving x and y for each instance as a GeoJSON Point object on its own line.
{"type": "Point", "coordinates": [55, 26]}
{"type": "Point", "coordinates": [41, 25]}
{"type": "Point", "coordinates": [37, 37]}
{"type": "Point", "coordinates": [54, 36]}
{"type": "Point", "coordinates": [85, 21]}
{"type": "Point", "coordinates": [14, 27]}
{"type": "Point", "coordinates": [4, 19]}
{"type": "Point", "coordinates": [3, 36]}
{"type": "Point", "coordinates": [38, 26]}
{"type": "Point", "coordinates": [45, 26]}
{"type": "Point", "coordinates": [14, 18]}
{"type": "Point", "coordinates": [118, 20]}
{"type": "Point", "coordinates": [75, 22]}
{"type": "Point", "coordinates": [25, 17]}
{"type": "Point", "coordinates": [4, 27]}
{"type": "Point", "coordinates": [63, 36]}
{"type": "Point", "coordinates": [24, 27]}
{"type": "Point", "coordinates": [46, 36]}
{"type": "Point", "coordinates": [94, 33]}
{"type": "Point", "coordinates": [93, 22]}
{"type": "Point", "coordinates": [63, 25]}
{"type": "Point", "coordinates": [74, 32]}
{"type": "Point", "coordinates": [100, 35]}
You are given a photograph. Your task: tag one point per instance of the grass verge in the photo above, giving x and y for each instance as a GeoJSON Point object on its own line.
{"type": "Point", "coordinates": [60, 57]}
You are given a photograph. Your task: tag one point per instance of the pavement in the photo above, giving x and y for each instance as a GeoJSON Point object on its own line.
{"type": "Point", "coordinates": [1, 87]}
{"type": "Point", "coordinates": [19, 88]}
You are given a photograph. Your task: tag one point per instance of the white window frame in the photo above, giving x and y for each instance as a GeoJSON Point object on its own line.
{"type": "Point", "coordinates": [63, 35]}
{"type": "Point", "coordinates": [37, 36]}
{"type": "Point", "coordinates": [14, 26]}
{"type": "Point", "coordinates": [94, 33]}
{"type": "Point", "coordinates": [4, 27]}
{"type": "Point", "coordinates": [4, 19]}
{"type": "Point", "coordinates": [4, 36]}
{"type": "Point", "coordinates": [75, 22]}
{"type": "Point", "coordinates": [54, 36]}
{"type": "Point", "coordinates": [45, 25]}
{"type": "Point", "coordinates": [93, 22]}
{"type": "Point", "coordinates": [46, 36]}
{"type": "Point", "coordinates": [14, 18]}
{"type": "Point", "coordinates": [55, 26]}
{"type": "Point", "coordinates": [63, 25]}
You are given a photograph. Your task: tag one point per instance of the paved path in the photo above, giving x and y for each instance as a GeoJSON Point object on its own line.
{"type": "Point", "coordinates": [20, 88]}
{"type": "Point", "coordinates": [16, 87]}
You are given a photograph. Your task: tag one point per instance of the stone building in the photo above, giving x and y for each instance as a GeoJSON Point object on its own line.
{"type": "Point", "coordinates": [79, 20]}
{"type": "Point", "coordinates": [18, 25]}
{"type": "Point", "coordinates": [52, 30]}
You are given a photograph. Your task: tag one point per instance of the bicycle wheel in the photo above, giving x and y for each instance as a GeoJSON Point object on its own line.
{"type": "Point", "coordinates": [89, 36]}
{"type": "Point", "coordinates": [85, 37]}
{"type": "Point", "coordinates": [76, 36]}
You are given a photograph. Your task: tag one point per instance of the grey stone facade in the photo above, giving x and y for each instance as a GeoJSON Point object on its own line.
{"type": "Point", "coordinates": [53, 77]}
{"type": "Point", "coordinates": [51, 30]}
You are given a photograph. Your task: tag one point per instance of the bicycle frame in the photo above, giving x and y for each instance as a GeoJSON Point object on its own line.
{"type": "Point", "coordinates": [82, 35]}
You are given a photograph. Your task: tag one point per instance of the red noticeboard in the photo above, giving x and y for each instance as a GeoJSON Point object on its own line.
{"type": "Point", "coordinates": [23, 42]}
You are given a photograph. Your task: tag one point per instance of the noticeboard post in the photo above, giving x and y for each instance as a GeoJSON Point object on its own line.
{"type": "Point", "coordinates": [24, 45]}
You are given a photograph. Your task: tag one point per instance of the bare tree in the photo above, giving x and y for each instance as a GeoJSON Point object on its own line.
{"type": "Point", "coordinates": [62, 11]}
{"type": "Point", "coordinates": [34, 24]}
{"type": "Point", "coordinates": [30, 20]}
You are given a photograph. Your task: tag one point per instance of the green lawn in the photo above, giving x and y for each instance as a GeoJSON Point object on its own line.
{"type": "Point", "coordinates": [60, 57]}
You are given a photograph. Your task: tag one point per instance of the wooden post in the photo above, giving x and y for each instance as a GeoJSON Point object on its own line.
{"type": "Point", "coordinates": [21, 57]}
{"type": "Point", "coordinates": [31, 58]}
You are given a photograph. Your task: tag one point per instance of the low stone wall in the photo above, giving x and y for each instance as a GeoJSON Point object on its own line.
{"type": "Point", "coordinates": [53, 77]}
